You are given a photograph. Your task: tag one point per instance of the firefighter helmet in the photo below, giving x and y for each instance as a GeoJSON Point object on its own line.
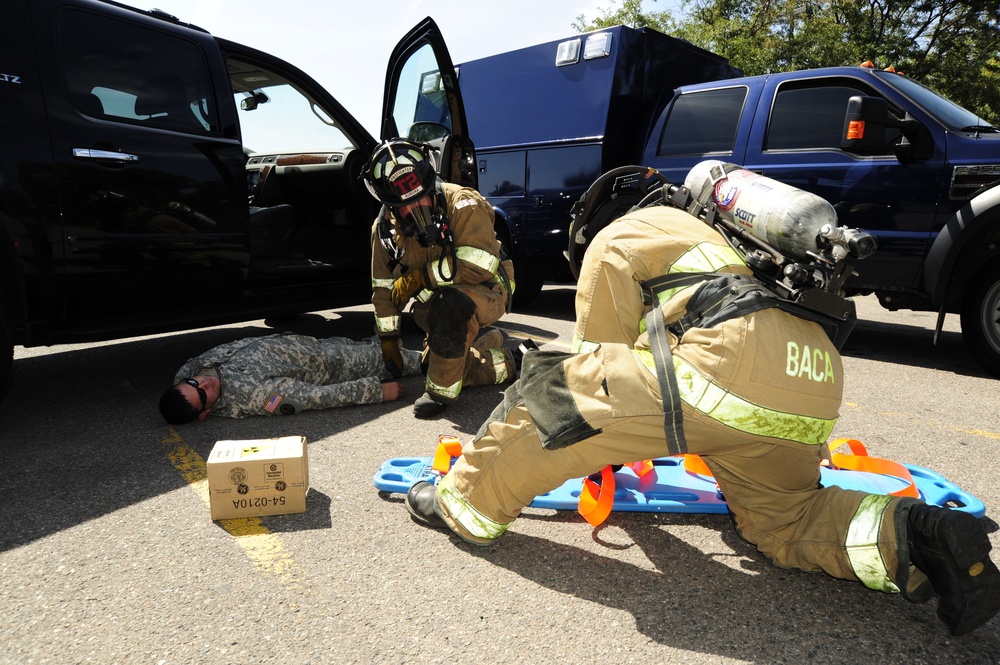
{"type": "Point", "coordinates": [400, 172]}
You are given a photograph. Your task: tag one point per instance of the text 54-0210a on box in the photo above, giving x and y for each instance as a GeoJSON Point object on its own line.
{"type": "Point", "coordinates": [258, 477]}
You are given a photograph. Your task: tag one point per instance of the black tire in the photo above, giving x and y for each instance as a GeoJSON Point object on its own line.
{"type": "Point", "coordinates": [981, 319]}
{"type": "Point", "coordinates": [6, 353]}
{"type": "Point", "coordinates": [529, 277]}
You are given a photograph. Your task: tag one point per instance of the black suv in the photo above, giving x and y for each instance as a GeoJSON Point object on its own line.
{"type": "Point", "coordinates": [155, 178]}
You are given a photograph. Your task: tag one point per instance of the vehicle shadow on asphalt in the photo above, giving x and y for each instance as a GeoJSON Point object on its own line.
{"type": "Point", "coordinates": [736, 604]}
{"type": "Point", "coordinates": [913, 346]}
{"type": "Point", "coordinates": [83, 428]}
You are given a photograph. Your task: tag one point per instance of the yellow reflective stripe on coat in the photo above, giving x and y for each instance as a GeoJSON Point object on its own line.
{"type": "Point", "coordinates": [478, 257]}
{"type": "Point", "coordinates": [459, 510]}
{"type": "Point", "coordinates": [381, 284]}
{"type": "Point", "coordinates": [722, 406]}
{"type": "Point", "coordinates": [449, 392]}
{"type": "Point", "coordinates": [862, 542]}
{"type": "Point", "coordinates": [385, 324]}
{"type": "Point", "coordinates": [703, 257]}
{"type": "Point", "coordinates": [580, 345]}
{"type": "Point", "coordinates": [425, 294]}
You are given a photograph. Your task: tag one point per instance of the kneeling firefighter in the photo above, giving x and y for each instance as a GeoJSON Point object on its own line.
{"type": "Point", "coordinates": [737, 361]}
{"type": "Point", "coordinates": [434, 241]}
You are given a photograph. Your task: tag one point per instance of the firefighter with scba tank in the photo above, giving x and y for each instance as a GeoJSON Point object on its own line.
{"type": "Point", "coordinates": [737, 361]}
{"type": "Point", "coordinates": [434, 241]}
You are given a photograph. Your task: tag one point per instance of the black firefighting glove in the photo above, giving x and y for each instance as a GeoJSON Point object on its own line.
{"type": "Point", "coordinates": [407, 286]}
{"type": "Point", "coordinates": [392, 357]}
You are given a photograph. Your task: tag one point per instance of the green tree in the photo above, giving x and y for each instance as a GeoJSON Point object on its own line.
{"type": "Point", "coordinates": [953, 46]}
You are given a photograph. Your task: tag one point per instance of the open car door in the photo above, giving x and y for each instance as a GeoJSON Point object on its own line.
{"type": "Point", "coordinates": [422, 103]}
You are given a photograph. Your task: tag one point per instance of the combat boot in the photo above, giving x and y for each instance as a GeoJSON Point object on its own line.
{"type": "Point", "coordinates": [952, 549]}
{"type": "Point", "coordinates": [493, 338]}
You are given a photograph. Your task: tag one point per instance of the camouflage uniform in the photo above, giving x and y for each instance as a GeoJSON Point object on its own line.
{"type": "Point", "coordinates": [758, 394]}
{"type": "Point", "coordinates": [473, 281]}
{"type": "Point", "coordinates": [287, 373]}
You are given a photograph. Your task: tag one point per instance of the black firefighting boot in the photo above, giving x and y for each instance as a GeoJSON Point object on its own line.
{"type": "Point", "coordinates": [426, 407]}
{"type": "Point", "coordinates": [952, 549]}
{"type": "Point", "coordinates": [420, 501]}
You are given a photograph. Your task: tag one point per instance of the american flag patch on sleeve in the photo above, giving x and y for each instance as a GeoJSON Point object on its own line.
{"type": "Point", "coordinates": [272, 402]}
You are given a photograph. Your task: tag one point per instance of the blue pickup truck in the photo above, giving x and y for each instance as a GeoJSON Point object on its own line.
{"type": "Point", "coordinates": [923, 178]}
{"type": "Point", "coordinates": [548, 120]}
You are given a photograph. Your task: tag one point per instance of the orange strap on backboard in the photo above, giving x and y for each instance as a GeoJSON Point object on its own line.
{"type": "Point", "coordinates": [448, 447]}
{"type": "Point", "coordinates": [696, 465]}
{"type": "Point", "coordinates": [859, 460]}
{"type": "Point", "coordinates": [596, 500]}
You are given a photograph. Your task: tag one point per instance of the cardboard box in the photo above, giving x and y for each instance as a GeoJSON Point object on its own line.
{"type": "Point", "coordinates": [258, 477]}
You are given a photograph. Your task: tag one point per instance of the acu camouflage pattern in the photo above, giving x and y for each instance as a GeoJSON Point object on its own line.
{"type": "Point", "coordinates": [295, 372]}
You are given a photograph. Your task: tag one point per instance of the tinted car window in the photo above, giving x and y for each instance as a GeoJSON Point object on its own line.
{"type": "Point", "coordinates": [129, 73]}
{"type": "Point", "coordinates": [703, 122]}
{"type": "Point", "coordinates": [808, 118]}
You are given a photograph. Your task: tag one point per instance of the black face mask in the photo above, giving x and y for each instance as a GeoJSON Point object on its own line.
{"type": "Point", "coordinates": [424, 223]}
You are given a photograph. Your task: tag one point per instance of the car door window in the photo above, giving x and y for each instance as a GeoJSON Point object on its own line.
{"type": "Point", "coordinates": [421, 106]}
{"type": "Point", "coordinates": [812, 117]}
{"type": "Point", "coordinates": [125, 72]}
{"type": "Point", "coordinates": [703, 123]}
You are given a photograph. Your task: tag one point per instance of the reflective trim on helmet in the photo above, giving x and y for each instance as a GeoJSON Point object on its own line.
{"type": "Point", "coordinates": [381, 284]}
{"type": "Point", "coordinates": [478, 257]}
{"type": "Point", "coordinates": [499, 365]}
{"type": "Point", "coordinates": [470, 519]}
{"type": "Point", "coordinates": [862, 544]}
{"type": "Point", "coordinates": [387, 324]}
{"type": "Point", "coordinates": [448, 392]}
{"type": "Point", "coordinates": [722, 406]}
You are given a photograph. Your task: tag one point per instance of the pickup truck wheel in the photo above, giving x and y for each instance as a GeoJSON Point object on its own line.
{"type": "Point", "coordinates": [528, 276]}
{"type": "Point", "coordinates": [981, 319]}
{"type": "Point", "coordinates": [6, 353]}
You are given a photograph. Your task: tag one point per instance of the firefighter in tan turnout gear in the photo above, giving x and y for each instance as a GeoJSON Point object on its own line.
{"type": "Point", "coordinates": [434, 242]}
{"type": "Point", "coordinates": [636, 248]}
{"type": "Point", "coordinates": [724, 369]}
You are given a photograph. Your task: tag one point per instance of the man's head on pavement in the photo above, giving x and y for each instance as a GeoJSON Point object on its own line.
{"type": "Point", "coordinates": [191, 399]}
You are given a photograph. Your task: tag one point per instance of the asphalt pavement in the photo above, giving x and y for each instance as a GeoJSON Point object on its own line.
{"type": "Point", "coordinates": [108, 554]}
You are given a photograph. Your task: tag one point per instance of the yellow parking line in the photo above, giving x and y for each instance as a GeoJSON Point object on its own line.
{"type": "Point", "coordinates": [265, 550]}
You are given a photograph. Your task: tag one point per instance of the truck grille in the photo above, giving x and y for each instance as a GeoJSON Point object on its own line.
{"type": "Point", "coordinates": [967, 180]}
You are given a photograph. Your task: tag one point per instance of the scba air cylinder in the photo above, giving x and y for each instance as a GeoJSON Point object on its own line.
{"type": "Point", "coordinates": [787, 218]}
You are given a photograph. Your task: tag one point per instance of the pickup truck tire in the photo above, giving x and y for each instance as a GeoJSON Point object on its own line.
{"type": "Point", "coordinates": [528, 276]}
{"type": "Point", "coordinates": [981, 319]}
{"type": "Point", "coordinates": [6, 353]}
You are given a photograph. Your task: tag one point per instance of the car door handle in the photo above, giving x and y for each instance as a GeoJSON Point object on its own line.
{"type": "Point", "coordinates": [91, 153]}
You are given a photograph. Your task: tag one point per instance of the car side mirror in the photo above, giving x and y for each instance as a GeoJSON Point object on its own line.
{"type": "Point", "coordinates": [864, 126]}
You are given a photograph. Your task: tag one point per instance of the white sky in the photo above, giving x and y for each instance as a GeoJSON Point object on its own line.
{"type": "Point", "coordinates": [345, 44]}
